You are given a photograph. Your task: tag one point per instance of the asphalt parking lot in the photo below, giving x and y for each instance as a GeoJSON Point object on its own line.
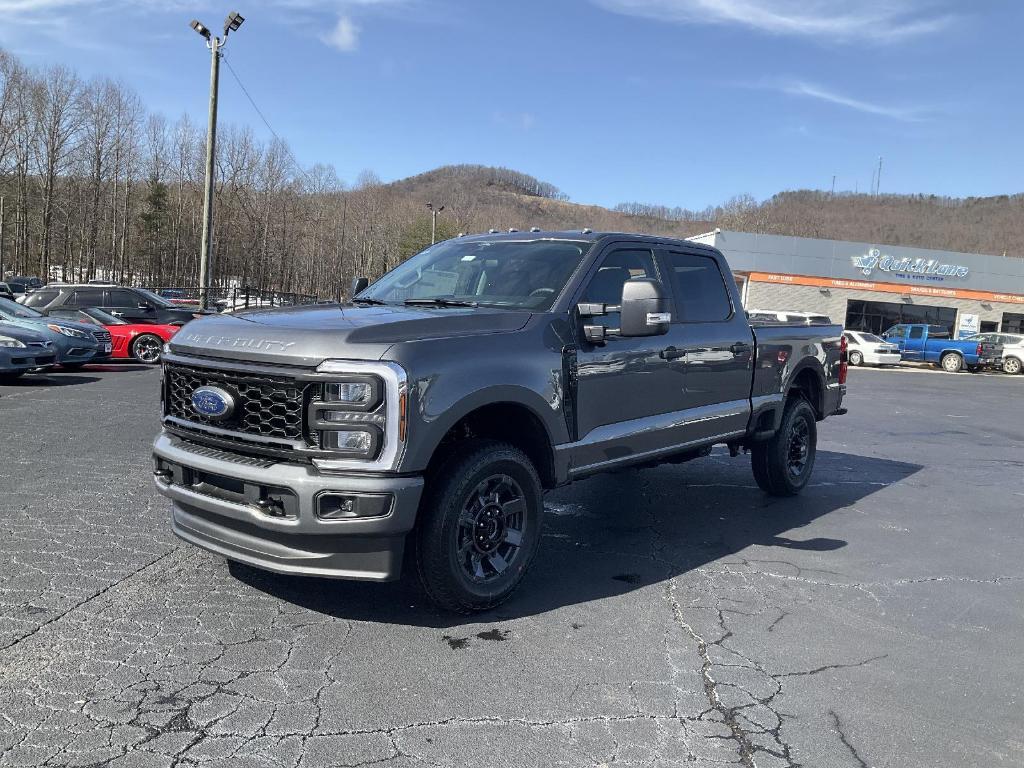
{"type": "Point", "coordinates": [676, 616]}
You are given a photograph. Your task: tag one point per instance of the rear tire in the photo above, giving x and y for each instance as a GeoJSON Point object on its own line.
{"type": "Point", "coordinates": [146, 348]}
{"type": "Point", "coordinates": [783, 464]}
{"type": "Point", "coordinates": [1012, 366]}
{"type": "Point", "coordinates": [479, 526]}
{"type": "Point", "coordinates": [952, 362]}
{"type": "Point", "coordinates": [856, 358]}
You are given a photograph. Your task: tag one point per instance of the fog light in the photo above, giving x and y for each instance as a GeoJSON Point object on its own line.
{"type": "Point", "coordinates": [352, 441]}
{"type": "Point", "coordinates": [347, 506]}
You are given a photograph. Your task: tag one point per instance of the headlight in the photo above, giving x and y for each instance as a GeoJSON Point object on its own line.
{"type": "Point", "coordinates": [72, 332]}
{"type": "Point", "coordinates": [350, 416]}
{"type": "Point", "coordinates": [350, 392]}
{"type": "Point", "coordinates": [357, 415]}
{"type": "Point", "coordinates": [7, 341]}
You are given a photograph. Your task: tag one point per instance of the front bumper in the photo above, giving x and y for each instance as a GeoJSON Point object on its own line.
{"type": "Point", "coordinates": [19, 359]}
{"type": "Point", "coordinates": [214, 498]}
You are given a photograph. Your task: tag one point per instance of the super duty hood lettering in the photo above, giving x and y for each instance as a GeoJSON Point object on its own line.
{"type": "Point", "coordinates": [238, 342]}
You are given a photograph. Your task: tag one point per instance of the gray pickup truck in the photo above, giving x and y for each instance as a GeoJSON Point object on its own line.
{"type": "Point", "coordinates": [439, 405]}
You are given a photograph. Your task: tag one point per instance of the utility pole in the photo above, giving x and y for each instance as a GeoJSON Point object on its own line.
{"type": "Point", "coordinates": [215, 44]}
{"type": "Point", "coordinates": [433, 221]}
{"type": "Point", "coordinates": [878, 184]}
{"type": "Point", "coordinates": [1, 238]}
{"type": "Point", "coordinates": [833, 185]}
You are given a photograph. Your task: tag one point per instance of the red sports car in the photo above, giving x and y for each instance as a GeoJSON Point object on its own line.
{"type": "Point", "coordinates": [133, 341]}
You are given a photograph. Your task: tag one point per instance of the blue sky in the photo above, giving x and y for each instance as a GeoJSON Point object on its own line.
{"type": "Point", "coordinates": [679, 102]}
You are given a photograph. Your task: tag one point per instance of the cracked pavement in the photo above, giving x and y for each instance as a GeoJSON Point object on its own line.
{"type": "Point", "coordinates": [674, 617]}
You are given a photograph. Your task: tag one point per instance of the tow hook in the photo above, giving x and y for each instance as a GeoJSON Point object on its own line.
{"type": "Point", "coordinates": [270, 507]}
{"type": "Point", "coordinates": [163, 475]}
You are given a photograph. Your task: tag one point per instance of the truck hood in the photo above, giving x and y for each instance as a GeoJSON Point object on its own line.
{"type": "Point", "coordinates": [309, 335]}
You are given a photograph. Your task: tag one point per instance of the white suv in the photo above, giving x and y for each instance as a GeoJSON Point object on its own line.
{"type": "Point", "coordinates": [1013, 349]}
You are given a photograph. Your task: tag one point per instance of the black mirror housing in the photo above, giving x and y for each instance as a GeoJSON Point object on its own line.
{"type": "Point", "coordinates": [645, 309]}
{"type": "Point", "coordinates": [359, 284]}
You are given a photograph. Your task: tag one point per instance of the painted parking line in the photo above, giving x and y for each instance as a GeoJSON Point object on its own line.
{"type": "Point", "coordinates": [939, 371]}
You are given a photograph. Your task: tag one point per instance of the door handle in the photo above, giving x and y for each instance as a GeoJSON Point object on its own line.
{"type": "Point", "coordinates": [671, 353]}
{"type": "Point", "coordinates": [739, 348]}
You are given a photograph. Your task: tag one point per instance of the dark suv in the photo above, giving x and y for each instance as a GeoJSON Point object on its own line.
{"type": "Point", "coordinates": [134, 305]}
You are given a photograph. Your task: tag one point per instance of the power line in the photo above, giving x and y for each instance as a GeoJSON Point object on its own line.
{"type": "Point", "coordinates": [266, 122]}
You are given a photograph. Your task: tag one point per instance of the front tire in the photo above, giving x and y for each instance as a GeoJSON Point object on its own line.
{"type": "Point", "coordinates": [1012, 366]}
{"type": "Point", "coordinates": [856, 358]}
{"type": "Point", "coordinates": [146, 348]}
{"type": "Point", "coordinates": [783, 464]}
{"type": "Point", "coordinates": [479, 526]}
{"type": "Point", "coordinates": [952, 362]}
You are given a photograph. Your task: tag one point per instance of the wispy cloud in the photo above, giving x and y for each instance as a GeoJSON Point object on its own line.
{"type": "Point", "coordinates": [871, 20]}
{"type": "Point", "coordinates": [813, 91]}
{"type": "Point", "coordinates": [344, 35]}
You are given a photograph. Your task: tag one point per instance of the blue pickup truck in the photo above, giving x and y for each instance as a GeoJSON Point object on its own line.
{"type": "Point", "coordinates": [932, 344]}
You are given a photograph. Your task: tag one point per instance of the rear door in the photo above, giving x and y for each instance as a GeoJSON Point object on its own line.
{"type": "Point", "coordinates": [85, 297]}
{"type": "Point", "coordinates": [711, 333]}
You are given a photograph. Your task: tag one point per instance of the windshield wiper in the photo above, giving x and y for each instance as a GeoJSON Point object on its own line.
{"type": "Point", "coordinates": [439, 302]}
{"type": "Point", "coordinates": [375, 302]}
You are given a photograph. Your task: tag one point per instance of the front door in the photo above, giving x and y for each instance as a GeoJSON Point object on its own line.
{"type": "Point", "coordinates": [713, 334]}
{"type": "Point", "coordinates": [627, 388]}
{"type": "Point", "coordinates": [128, 305]}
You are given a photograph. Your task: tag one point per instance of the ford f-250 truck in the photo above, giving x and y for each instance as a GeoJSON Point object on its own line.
{"type": "Point", "coordinates": [439, 405]}
{"type": "Point", "coordinates": [932, 344]}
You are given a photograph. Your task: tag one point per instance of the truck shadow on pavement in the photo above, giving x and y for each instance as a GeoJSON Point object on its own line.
{"type": "Point", "coordinates": [47, 380]}
{"type": "Point", "coordinates": [617, 533]}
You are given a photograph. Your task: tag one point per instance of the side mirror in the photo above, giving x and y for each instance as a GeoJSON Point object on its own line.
{"type": "Point", "coordinates": [645, 310]}
{"type": "Point", "coordinates": [359, 285]}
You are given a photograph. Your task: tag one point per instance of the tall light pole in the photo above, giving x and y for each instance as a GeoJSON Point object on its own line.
{"type": "Point", "coordinates": [215, 44]}
{"type": "Point", "coordinates": [433, 221]}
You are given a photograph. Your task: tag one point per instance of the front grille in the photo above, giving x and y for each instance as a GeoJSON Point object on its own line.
{"type": "Point", "coordinates": [103, 337]}
{"type": "Point", "coordinates": [266, 406]}
{"type": "Point", "coordinates": [40, 344]}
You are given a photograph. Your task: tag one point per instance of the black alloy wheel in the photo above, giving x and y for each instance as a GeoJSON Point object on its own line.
{"type": "Point", "coordinates": [490, 535]}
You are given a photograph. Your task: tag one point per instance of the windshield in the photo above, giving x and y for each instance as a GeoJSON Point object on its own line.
{"type": "Point", "coordinates": [160, 301]}
{"type": "Point", "coordinates": [501, 273]}
{"type": "Point", "coordinates": [10, 308]}
{"type": "Point", "coordinates": [101, 317]}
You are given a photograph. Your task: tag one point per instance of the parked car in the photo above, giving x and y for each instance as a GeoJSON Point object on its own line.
{"type": "Point", "coordinates": [76, 343]}
{"type": "Point", "coordinates": [1013, 349]}
{"type": "Point", "coordinates": [137, 341]}
{"type": "Point", "coordinates": [22, 350]}
{"type": "Point", "coordinates": [787, 316]}
{"type": "Point", "coordinates": [179, 296]}
{"type": "Point", "coordinates": [932, 344]}
{"type": "Point", "coordinates": [6, 292]}
{"type": "Point", "coordinates": [134, 305]}
{"type": "Point", "coordinates": [867, 349]}
{"type": "Point", "coordinates": [441, 404]}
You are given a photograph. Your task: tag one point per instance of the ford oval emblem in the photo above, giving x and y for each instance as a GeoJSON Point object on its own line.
{"type": "Point", "coordinates": [213, 403]}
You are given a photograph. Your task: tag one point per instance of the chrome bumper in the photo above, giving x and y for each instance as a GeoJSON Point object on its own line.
{"type": "Point", "coordinates": [214, 499]}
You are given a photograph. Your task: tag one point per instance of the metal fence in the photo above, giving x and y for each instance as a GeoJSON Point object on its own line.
{"type": "Point", "coordinates": [234, 298]}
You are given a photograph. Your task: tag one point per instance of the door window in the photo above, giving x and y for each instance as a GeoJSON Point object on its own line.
{"type": "Point", "coordinates": [699, 289]}
{"type": "Point", "coordinates": [605, 286]}
{"type": "Point", "coordinates": [916, 333]}
{"type": "Point", "coordinates": [122, 298]}
{"type": "Point", "coordinates": [86, 297]}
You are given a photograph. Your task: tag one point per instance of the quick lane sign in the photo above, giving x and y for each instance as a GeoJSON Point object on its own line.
{"type": "Point", "coordinates": [875, 259]}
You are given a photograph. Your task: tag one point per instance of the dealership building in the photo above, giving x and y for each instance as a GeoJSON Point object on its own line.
{"type": "Point", "coordinates": [870, 287]}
